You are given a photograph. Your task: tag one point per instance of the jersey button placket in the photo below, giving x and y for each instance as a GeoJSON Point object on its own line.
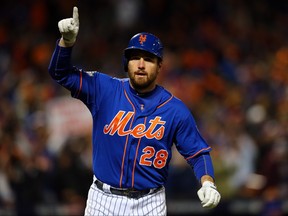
{"type": "Point", "coordinates": [133, 142]}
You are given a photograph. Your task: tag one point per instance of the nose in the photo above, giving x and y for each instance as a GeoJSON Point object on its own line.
{"type": "Point", "coordinates": [141, 63]}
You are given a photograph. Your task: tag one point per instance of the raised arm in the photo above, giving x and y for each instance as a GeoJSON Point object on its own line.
{"type": "Point", "coordinates": [60, 66]}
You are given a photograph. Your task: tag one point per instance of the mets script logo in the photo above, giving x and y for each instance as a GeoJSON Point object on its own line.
{"type": "Point", "coordinates": [120, 121]}
{"type": "Point", "coordinates": [142, 39]}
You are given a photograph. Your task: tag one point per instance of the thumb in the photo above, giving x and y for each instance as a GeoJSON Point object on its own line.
{"type": "Point", "coordinates": [201, 194]}
{"type": "Point", "coordinates": [75, 16]}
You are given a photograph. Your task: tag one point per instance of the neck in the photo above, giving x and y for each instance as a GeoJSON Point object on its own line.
{"type": "Point", "coordinates": [142, 91]}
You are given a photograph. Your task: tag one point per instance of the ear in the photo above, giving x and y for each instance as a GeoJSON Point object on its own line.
{"type": "Point", "coordinates": [160, 63]}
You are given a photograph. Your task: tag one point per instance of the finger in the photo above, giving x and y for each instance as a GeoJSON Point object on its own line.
{"type": "Point", "coordinates": [213, 201]}
{"type": "Point", "coordinates": [209, 204]}
{"type": "Point", "coordinates": [217, 199]}
{"type": "Point", "coordinates": [200, 195]}
{"type": "Point", "coordinates": [207, 196]}
{"type": "Point", "coordinates": [70, 24]}
{"type": "Point", "coordinates": [60, 26]}
{"type": "Point", "coordinates": [67, 25]}
{"type": "Point", "coordinates": [75, 16]}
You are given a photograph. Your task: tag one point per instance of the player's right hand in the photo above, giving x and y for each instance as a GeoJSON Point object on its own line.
{"type": "Point", "coordinates": [69, 27]}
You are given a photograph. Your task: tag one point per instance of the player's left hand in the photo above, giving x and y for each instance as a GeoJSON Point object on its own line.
{"type": "Point", "coordinates": [208, 195]}
{"type": "Point", "coordinates": [69, 27]}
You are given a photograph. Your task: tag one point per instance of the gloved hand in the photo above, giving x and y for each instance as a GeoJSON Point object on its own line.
{"type": "Point", "coordinates": [208, 195]}
{"type": "Point", "coordinates": [69, 27]}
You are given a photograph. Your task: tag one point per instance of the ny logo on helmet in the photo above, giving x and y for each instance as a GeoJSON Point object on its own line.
{"type": "Point", "coordinates": [142, 39]}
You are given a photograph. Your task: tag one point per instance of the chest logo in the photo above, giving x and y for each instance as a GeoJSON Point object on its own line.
{"type": "Point", "coordinates": [155, 128]}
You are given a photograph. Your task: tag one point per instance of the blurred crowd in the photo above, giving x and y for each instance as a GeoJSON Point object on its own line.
{"type": "Point", "coordinates": [227, 60]}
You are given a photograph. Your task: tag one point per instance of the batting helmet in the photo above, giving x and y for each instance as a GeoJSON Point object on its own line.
{"type": "Point", "coordinates": [143, 41]}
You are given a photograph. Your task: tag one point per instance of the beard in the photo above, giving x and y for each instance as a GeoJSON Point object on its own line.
{"type": "Point", "coordinates": [143, 82]}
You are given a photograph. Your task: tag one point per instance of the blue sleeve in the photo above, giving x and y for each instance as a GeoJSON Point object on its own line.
{"type": "Point", "coordinates": [188, 139]}
{"type": "Point", "coordinates": [61, 70]}
{"type": "Point", "coordinates": [82, 85]}
{"type": "Point", "coordinates": [202, 165]}
{"type": "Point", "coordinates": [90, 87]}
{"type": "Point", "coordinates": [191, 145]}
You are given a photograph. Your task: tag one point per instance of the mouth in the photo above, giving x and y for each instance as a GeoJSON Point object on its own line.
{"type": "Point", "coordinates": [140, 73]}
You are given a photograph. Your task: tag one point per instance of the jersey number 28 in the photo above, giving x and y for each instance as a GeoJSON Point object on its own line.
{"type": "Point", "coordinates": [159, 160]}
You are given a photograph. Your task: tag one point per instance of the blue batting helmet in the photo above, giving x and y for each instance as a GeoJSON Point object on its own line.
{"type": "Point", "coordinates": [144, 41]}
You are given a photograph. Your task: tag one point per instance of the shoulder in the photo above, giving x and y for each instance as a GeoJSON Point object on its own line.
{"type": "Point", "coordinates": [182, 110]}
{"type": "Point", "coordinates": [104, 77]}
{"type": "Point", "coordinates": [173, 99]}
{"type": "Point", "coordinates": [174, 103]}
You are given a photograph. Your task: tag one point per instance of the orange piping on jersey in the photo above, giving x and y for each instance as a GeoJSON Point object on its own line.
{"type": "Point", "coordinates": [165, 102]}
{"type": "Point", "coordinates": [135, 159]}
{"type": "Point", "coordinates": [126, 143]}
{"type": "Point", "coordinates": [198, 153]}
{"type": "Point", "coordinates": [80, 85]}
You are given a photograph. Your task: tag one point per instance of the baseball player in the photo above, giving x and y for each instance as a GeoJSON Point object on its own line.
{"type": "Point", "coordinates": [135, 124]}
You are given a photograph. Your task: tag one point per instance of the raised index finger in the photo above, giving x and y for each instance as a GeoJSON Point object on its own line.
{"type": "Point", "coordinates": [75, 15]}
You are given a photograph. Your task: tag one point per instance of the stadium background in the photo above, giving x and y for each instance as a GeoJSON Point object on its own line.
{"type": "Point", "coordinates": [227, 60]}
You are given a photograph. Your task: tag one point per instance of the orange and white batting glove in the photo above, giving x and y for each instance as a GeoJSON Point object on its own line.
{"type": "Point", "coordinates": [69, 27]}
{"type": "Point", "coordinates": [208, 195]}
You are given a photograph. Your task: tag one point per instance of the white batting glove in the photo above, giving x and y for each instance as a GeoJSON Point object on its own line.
{"type": "Point", "coordinates": [208, 195]}
{"type": "Point", "coordinates": [69, 27]}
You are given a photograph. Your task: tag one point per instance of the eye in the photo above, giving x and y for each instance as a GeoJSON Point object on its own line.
{"type": "Point", "coordinates": [149, 59]}
{"type": "Point", "coordinates": [135, 57]}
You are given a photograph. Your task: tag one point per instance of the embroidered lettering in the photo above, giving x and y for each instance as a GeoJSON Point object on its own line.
{"type": "Point", "coordinates": [118, 124]}
{"type": "Point", "coordinates": [120, 121]}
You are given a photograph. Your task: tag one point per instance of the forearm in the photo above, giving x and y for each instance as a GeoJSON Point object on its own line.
{"type": "Point", "coordinates": [60, 61]}
{"type": "Point", "coordinates": [203, 167]}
